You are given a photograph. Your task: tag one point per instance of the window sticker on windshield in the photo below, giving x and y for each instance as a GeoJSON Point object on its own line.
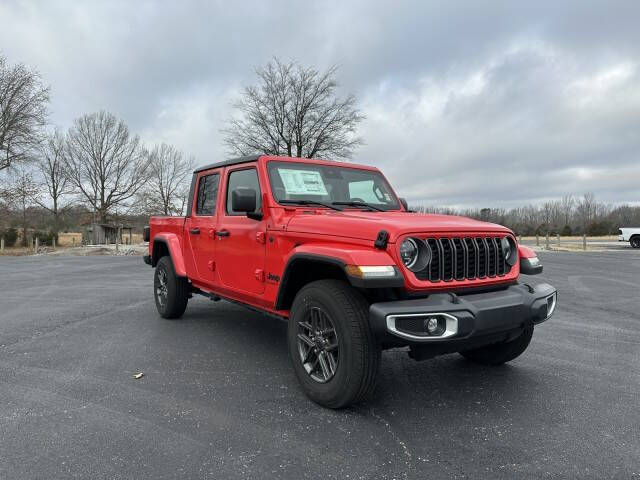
{"type": "Point", "coordinates": [302, 182]}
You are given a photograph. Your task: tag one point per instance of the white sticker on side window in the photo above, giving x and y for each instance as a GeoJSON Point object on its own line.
{"type": "Point", "coordinates": [302, 182]}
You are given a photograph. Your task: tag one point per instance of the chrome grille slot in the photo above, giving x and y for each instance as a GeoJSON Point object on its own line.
{"type": "Point", "coordinates": [447, 264]}
{"type": "Point", "coordinates": [492, 253]}
{"type": "Point", "coordinates": [460, 259]}
{"type": "Point", "coordinates": [482, 257]}
{"type": "Point", "coordinates": [464, 258]}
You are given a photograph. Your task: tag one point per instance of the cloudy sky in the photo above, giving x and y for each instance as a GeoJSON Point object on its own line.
{"type": "Point", "coordinates": [467, 103]}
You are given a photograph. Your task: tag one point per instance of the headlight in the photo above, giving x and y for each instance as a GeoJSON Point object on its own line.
{"type": "Point", "coordinates": [415, 254]}
{"type": "Point", "coordinates": [409, 252]}
{"type": "Point", "coordinates": [509, 250]}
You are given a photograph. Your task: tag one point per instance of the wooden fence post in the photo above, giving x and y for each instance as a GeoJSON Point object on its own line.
{"type": "Point", "coordinates": [584, 241]}
{"type": "Point", "coordinates": [53, 242]}
{"type": "Point", "coordinates": [547, 242]}
{"type": "Point", "coordinates": [2, 244]}
{"type": "Point", "coordinates": [537, 240]}
{"type": "Point", "coordinates": [36, 246]}
{"type": "Point", "coordinates": [558, 238]}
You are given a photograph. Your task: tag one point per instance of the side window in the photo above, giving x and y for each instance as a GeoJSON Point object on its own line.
{"type": "Point", "coordinates": [247, 179]}
{"type": "Point", "coordinates": [207, 194]}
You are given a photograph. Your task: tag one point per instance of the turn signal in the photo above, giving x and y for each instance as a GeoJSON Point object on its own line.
{"type": "Point", "coordinates": [371, 271]}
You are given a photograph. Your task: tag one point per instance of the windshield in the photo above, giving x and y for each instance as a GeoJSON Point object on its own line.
{"type": "Point", "coordinates": [331, 185]}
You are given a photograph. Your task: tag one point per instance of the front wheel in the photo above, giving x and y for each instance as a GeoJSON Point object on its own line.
{"type": "Point", "coordinates": [501, 352]}
{"type": "Point", "coordinates": [332, 349]}
{"type": "Point", "coordinates": [171, 292]}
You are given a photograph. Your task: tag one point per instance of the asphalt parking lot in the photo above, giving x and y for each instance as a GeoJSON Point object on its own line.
{"type": "Point", "coordinates": [219, 399]}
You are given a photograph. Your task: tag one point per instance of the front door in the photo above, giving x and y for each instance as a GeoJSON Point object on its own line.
{"type": "Point", "coordinates": [201, 229]}
{"type": "Point", "coordinates": [240, 246]}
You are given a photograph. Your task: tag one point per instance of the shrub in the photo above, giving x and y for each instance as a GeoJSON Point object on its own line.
{"type": "Point", "coordinates": [10, 236]}
{"type": "Point", "coordinates": [44, 237]}
{"type": "Point", "coordinates": [599, 228]}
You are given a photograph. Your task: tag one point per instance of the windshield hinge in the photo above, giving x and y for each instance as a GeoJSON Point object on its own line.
{"type": "Point", "coordinates": [381, 241]}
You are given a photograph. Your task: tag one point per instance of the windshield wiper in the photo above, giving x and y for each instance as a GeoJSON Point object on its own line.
{"type": "Point", "coordinates": [311, 202]}
{"type": "Point", "coordinates": [359, 204]}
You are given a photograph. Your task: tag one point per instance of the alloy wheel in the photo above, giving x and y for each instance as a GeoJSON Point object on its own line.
{"type": "Point", "coordinates": [318, 345]}
{"type": "Point", "coordinates": [162, 291]}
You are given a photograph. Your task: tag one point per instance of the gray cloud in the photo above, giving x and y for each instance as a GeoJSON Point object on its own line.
{"type": "Point", "coordinates": [474, 104]}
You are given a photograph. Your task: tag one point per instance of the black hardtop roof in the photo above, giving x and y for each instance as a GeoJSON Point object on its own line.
{"type": "Point", "coordinates": [231, 161]}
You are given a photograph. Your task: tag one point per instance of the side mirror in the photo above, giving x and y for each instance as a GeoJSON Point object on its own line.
{"type": "Point", "coordinates": [404, 203]}
{"type": "Point", "coordinates": [244, 200]}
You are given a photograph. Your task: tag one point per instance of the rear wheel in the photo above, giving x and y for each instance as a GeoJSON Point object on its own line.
{"type": "Point", "coordinates": [171, 292]}
{"type": "Point", "coordinates": [635, 241]}
{"type": "Point", "coordinates": [501, 352]}
{"type": "Point", "coordinates": [332, 349]}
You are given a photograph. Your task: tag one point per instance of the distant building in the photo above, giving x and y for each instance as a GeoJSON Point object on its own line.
{"type": "Point", "coordinates": [106, 233]}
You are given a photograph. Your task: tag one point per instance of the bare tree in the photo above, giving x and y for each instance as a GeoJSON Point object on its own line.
{"type": "Point", "coordinates": [585, 209]}
{"type": "Point", "coordinates": [168, 184]}
{"type": "Point", "coordinates": [22, 194]}
{"type": "Point", "coordinates": [566, 205]}
{"type": "Point", "coordinates": [294, 110]}
{"type": "Point", "coordinates": [23, 112]}
{"type": "Point", "coordinates": [55, 176]}
{"type": "Point", "coordinates": [105, 163]}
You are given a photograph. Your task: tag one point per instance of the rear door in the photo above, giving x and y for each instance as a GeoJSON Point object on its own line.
{"type": "Point", "coordinates": [201, 229]}
{"type": "Point", "coordinates": [241, 245]}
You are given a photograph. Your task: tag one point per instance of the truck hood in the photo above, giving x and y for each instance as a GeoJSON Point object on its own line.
{"type": "Point", "coordinates": [366, 225]}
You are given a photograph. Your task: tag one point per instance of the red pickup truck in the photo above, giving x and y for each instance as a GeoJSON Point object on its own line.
{"type": "Point", "coordinates": [331, 249]}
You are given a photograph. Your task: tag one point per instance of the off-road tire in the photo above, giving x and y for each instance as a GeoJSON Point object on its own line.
{"type": "Point", "coordinates": [177, 290]}
{"type": "Point", "coordinates": [635, 241]}
{"type": "Point", "coordinates": [502, 352]}
{"type": "Point", "coordinates": [358, 352]}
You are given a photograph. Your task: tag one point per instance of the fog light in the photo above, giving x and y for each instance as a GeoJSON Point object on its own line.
{"type": "Point", "coordinates": [432, 325]}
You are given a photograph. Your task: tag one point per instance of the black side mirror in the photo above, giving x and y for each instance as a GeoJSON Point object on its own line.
{"type": "Point", "coordinates": [404, 203]}
{"type": "Point", "coordinates": [244, 200]}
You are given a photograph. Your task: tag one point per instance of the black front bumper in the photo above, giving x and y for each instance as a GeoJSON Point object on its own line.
{"type": "Point", "coordinates": [468, 321]}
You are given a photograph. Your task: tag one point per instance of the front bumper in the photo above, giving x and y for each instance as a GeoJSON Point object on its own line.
{"type": "Point", "coordinates": [465, 321]}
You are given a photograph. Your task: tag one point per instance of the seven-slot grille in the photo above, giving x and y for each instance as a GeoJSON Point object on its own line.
{"type": "Point", "coordinates": [461, 258]}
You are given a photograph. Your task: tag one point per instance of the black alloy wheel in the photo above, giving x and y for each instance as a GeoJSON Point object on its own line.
{"type": "Point", "coordinates": [318, 345]}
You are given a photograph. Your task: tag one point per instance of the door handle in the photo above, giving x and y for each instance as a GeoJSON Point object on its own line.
{"type": "Point", "coordinates": [195, 231]}
{"type": "Point", "coordinates": [223, 233]}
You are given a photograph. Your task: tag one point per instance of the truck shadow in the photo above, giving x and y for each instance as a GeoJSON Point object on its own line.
{"type": "Point", "coordinates": [446, 381]}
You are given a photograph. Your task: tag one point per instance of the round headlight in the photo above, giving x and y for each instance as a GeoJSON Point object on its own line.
{"type": "Point", "coordinates": [409, 252]}
{"type": "Point", "coordinates": [509, 250]}
{"type": "Point", "coordinates": [415, 254]}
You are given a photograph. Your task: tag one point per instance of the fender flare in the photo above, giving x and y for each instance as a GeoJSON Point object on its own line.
{"type": "Point", "coordinates": [529, 262]}
{"type": "Point", "coordinates": [172, 243]}
{"type": "Point", "coordinates": [341, 260]}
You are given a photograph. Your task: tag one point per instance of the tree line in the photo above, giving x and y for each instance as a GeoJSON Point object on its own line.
{"type": "Point", "coordinates": [97, 166]}
{"type": "Point", "coordinates": [99, 171]}
{"type": "Point", "coordinates": [569, 215]}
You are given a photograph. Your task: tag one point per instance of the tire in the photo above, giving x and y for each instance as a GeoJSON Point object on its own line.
{"type": "Point", "coordinates": [171, 301]}
{"type": "Point", "coordinates": [356, 356]}
{"type": "Point", "coordinates": [635, 241]}
{"type": "Point", "coordinates": [501, 352]}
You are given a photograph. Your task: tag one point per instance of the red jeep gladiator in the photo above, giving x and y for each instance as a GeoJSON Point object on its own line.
{"type": "Point", "coordinates": [330, 248]}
